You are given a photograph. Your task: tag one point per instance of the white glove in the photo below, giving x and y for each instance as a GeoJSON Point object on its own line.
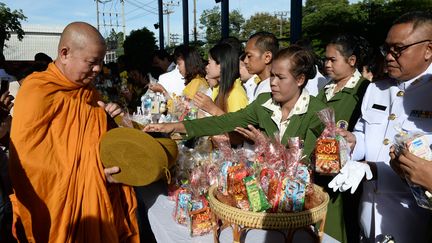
{"type": "Point", "coordinates": [350, 176]}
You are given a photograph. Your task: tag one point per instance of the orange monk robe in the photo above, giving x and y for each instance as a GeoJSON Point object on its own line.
{"type": "Point", "coordinates": [61, 193]}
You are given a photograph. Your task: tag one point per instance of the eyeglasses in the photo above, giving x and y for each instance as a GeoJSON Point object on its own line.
{"type": "Point", "coordinates": [396, 51]}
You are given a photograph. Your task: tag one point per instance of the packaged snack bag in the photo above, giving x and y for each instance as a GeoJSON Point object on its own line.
{"type": "Point", "coordinates": [200, 222]}
{"type": "Point", "coordinates": [181, 214]}
{"type": "Point", "coordinates": [292, 196]}
{"type": "Point", "coordinates": [327, 160]}
{"type": "Point", "coordinates": [257, 199]}
{"type": "Point", "coordinates": [418, 144]}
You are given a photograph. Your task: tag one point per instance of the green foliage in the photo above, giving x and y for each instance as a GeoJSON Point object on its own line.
{"type": "Point", "coordinates": [139, 46]}
{"type": "Point", "coordinates": [210, 20]}
{"type": "Point", "coordinates": [265, 22]}
{"type": "Point", "coordinates": [10, 21]}
{"type": "Point", "coordinates": [324, 19]}
{"type": "Point", "coordinates": [115, 42]}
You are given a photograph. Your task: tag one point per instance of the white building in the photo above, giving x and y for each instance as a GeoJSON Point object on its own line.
{"type": "Point", "coordinates": [37, 38]}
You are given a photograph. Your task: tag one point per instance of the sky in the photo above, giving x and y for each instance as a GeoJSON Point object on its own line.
{"type": "Point", "coordinates": [138, 13]}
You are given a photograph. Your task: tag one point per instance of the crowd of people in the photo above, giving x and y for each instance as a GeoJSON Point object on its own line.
{"type": "Point", "coordinates": [57, 190]}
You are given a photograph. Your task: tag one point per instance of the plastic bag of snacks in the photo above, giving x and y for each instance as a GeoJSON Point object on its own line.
{"type": "Point", "coordinates": [200, 222]}
{"type": "Point", "coordinates": [181, 210]}
{"type": "Point", "coordinates": [236, 186]}
{"type": "Point", "coordinates": [417, 144]}
{"type": "Point", "coordinates": [327, 157]}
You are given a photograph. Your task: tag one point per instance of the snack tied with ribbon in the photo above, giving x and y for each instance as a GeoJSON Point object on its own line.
{"type": "Point", "coordinates": [327, 160]}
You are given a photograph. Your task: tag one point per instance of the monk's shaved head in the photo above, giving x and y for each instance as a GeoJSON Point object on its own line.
{"type": "Point", "coordinates": [77, 35]}
{"type": "Point", "coordinates": [81, 52]}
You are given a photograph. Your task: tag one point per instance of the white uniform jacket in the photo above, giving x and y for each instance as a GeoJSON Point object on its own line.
{"type": "Point", "coordinates": [387, 205]}
{"type": "Point", "coordinates": [262, 87]}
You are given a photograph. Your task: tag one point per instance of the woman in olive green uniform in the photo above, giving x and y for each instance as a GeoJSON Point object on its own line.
{"type": "Point", "coordinates": [345, 55]}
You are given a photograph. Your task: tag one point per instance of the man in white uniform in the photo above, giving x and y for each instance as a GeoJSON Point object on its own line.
{"type": "Point", "coordinates": [387, 205]}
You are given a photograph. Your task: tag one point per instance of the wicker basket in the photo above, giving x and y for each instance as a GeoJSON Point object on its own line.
{"type": "Point", "coordinates": [271, 221]}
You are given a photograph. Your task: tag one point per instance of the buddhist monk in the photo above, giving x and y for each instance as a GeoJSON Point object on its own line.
{"type": "Point", "coordinates": [62, 193]}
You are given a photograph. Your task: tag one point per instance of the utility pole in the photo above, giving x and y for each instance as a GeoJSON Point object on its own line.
{"type": "Point", "coordinates": [161, 28]}
{"type": "Point", "coordinates": [169, 9]}
{"type": "Point", "coordinates": [123, 20]}
{"type": "Point", "coordinates": [281, 14]}
{"type": "Point", "coordinates": [195, 23]}
{"type": "Point", "coordinates": [97, 13]}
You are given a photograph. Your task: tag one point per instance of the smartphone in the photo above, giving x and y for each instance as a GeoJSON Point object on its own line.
{"type": "Point", "coordinates": [4, 86]}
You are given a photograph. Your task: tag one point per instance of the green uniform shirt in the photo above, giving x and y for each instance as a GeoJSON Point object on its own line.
{"type": "Point", "coordinates": [307, 126]}
{"type": "Point", "coordinates": [347, 102]}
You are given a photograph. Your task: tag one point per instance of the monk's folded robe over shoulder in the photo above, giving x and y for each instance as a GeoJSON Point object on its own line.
{"type": "Point", "coordinates": [60, 190]}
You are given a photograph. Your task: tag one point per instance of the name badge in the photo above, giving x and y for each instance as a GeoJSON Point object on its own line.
{"type": "Point", "coordinates": [379, 107]}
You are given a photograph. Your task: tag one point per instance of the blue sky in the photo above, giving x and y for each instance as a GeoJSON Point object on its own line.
{"type": "Point", "coordinates": [138, 13]}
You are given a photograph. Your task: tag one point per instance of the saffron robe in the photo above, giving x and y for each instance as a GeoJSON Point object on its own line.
{"type": "Point", "coordinates": [60, 190]}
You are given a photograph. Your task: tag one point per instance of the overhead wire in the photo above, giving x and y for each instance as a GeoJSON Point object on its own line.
{"type": "Point", "coordinates": [141, 7]}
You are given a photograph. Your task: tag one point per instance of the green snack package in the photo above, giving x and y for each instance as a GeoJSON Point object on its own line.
{"type": "Point", "coordinates": [257, 199]}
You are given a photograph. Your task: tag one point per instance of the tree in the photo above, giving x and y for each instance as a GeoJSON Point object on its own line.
{"type": "Point", "coordinates": [324, 19]}
{"type": "Point", "coordinates": [115, 42]}
{"type": "Point", "coordinates": [139, 46]}
{"type": "Point", "coordinates": [264, 22]}
{"type": "Point", "coordinates": [10, 22]}
{"type": "Point", "coordinates": [210, 20]}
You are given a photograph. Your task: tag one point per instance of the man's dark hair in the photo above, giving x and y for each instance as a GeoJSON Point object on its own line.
{"type": "Point", "coordinates": [234, 43]}
{"type": "Point", "coordinates": [266, 41]}
{"type": "Point", "coordinates": [418, 18]}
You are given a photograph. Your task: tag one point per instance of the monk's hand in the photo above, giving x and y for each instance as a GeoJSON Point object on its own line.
{"type": "Point", "coordinates": [251, 133]}
{"type": "Point", "coordinates": [109, 172]}
{"type": "Point", "coordinates": [111, 108]}
{"type": "Point", "coordinates": [6, 101]}
{"type": "Point", "coordinates": [349, 137]}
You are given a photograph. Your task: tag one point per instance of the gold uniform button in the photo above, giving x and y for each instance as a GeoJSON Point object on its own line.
{"type": "Point", "coordinates": [392, 116]}
{"type": "Point", "coordinates": [386, 141]}
{"type": "Point", "coordinates": [400, 93]}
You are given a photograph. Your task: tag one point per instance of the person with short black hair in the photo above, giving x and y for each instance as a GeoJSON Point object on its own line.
{"type": "Point", "coordinates": [259, 52]}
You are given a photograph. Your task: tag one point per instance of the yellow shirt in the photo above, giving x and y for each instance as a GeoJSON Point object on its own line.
{"type": "Point", "coordinates": [237, 98]}
{"type": "Point", "coordinates": [197, 84]}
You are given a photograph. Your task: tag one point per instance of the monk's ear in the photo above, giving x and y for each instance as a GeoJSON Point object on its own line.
{"type": "Point", "coordinates": [64, 53]}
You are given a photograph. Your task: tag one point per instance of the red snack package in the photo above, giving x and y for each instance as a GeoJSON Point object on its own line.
{"type": "Point", "coordinates": [200, 222]}
{"type": "Point", "coordinates": [327, 156]}
{"type": "Point", "coordinates": [236, 186]}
